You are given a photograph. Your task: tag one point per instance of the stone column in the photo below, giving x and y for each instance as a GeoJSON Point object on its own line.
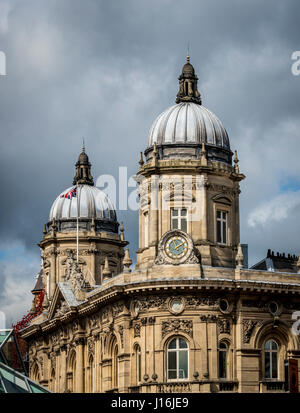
{"type": "Point", "coordinates": [153, 219]}
{"type": "Point", "coordinates": [63, 369]}
{"type": "Point", "coordinates": [80, 365]}
{"type": "Point", "coordinates": [52, 274]}
{"type": "Point", "coordinates": [204, 346]}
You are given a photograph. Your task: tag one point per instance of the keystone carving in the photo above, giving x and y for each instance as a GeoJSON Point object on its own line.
{"type": "Point", "coordinates": [175, 326]}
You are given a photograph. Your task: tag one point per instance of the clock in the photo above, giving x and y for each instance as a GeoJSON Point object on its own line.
{"type": "Point", "coordinates": [176, 246]}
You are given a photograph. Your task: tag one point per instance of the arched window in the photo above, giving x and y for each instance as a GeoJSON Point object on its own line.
{"type": "Point", "coordinates": [222, 355]}
{"type": "Point", "coordinates": [115, 367]}
{"type": "Point", "coordinates": [138, 355]}
{"type": "Point", "coordinates": [91, 377]}
{"type": "Point", "coordinates": [146, 217]}
{"type": "Point", "coordinates": [177, 359]}
{"type": "Point", "coordinates": [72, 372]}
{"type": "Point", "coordinates": [53, 381]}
{"type": "Point", "coordinates": [271, 359]}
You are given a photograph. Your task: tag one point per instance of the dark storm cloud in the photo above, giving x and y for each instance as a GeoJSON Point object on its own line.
{"type": "Point", "coordinates": [105, 69]}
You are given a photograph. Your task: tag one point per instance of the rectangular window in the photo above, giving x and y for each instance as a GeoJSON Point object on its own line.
{"type": "Point", "coordinates": [179, 219]}
{"type": "Point", "coordinates": [222, 364]}
{"type": "Point", "coordinates": [222, 227]}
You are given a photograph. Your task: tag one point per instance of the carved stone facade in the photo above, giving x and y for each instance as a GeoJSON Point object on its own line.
{"type": "Point", "coordinates": [170, 324]}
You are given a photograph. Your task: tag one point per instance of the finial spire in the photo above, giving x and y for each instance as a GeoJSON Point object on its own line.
{"type": "Point", "coordinates": [106, 271]}
{"type": "Point", "coordinates": [236, 162]}
{"type": "Point", "coordinates": [127, 261]}
{"type": "Point", "coordinates": [83, 169]}
{"type": "Point", "coordinates": [188, 89]}
{"type": "Point", "coordinates": [141, 161]}
{"type": "Point", "coordinates": [188, 53]}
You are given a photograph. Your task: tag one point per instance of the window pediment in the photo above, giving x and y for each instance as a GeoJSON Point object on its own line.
{"type": "Point", "coordinates": [222, 199]}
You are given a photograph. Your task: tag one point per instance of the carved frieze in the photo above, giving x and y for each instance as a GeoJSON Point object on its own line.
{"type": "Point", "coordinates": [223, 326]}
{"type": "Point", "coordinates": [248, 327]}
{"type": "Point", "coordinates": [207, 300]}
{"type": "Point", "coordinates": [176, 325]}
{"type": "Point", "coordinates": [117, 309]}
{"type": "Point", "coordinates": [121, 332]}
{"type": "Point", "coordinates": [137, 330]}
{"type": "Point", "coordinates": [91, 346]}
{"type": "Point", "coordinates": [61, 310]}
{"type": "Point", "coordinates": [210, 318]}
{"type": "Point", "coordinates": [53, 361]}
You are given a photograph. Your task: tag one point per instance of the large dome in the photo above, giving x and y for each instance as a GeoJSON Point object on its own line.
{"type": "Point", "coordinates": [89, 202]}
{"type": "Point", "coordinates": [188, 122]}
{"type": "Point", "coordinates": [187, 129]}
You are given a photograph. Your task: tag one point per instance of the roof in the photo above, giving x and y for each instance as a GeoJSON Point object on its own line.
{"type": "Point", "coordinates": [39, 285]}
{"type": "Point", "coordinates": [278, 262]}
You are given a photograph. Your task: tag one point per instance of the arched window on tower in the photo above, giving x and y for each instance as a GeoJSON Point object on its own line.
{"type": "Point", "coordinates": [271, 350]}
{"type": "Point", "coordinates": [222, 356]}
{"type": "Point", "coordinates": [146, 229]}
{"type": "Point", "coordinates": [177, 359]}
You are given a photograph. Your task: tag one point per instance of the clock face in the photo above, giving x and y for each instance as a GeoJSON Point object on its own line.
{"type": "Point", "coordinates": [176, 246]}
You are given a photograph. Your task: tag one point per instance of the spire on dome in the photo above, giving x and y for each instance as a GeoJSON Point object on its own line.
{"type": "Point", "coordinates": [83, 169]}
{"type": "Point", "coordinates": [188, 89]}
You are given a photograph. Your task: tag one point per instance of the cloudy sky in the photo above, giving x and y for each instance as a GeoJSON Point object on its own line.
{"type": "Point", "coordinates": [104, 70]}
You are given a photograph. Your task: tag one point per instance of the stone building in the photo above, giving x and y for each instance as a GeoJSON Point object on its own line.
{"type": "Point", "coordinates": [190, 317]}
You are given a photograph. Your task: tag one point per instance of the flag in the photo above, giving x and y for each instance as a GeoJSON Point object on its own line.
{"type": "Point", "coordinates": [70, 194]}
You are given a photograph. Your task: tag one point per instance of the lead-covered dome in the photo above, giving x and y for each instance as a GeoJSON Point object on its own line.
{"type": "Point", "coordinates": [185, 129]}
{"type": "Point", "coordinates": [89, 202]}
{"type": "Point", "coordinates": [188, 122]}
{"type": "Point", "coordinates": [85, 202]}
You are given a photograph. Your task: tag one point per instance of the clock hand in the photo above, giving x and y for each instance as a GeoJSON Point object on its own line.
{"type": "Point", "coordinates": [179, 245]}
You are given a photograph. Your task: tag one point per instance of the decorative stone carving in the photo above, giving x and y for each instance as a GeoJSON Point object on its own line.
{"type": "Point", "coordinates": [248, 327]}
{"type": "Point", "coordinates": [53, 361]}
{"type": "Point", "coordinates": [210, 318]}
{"type": "Point", "coordinates": [91, 346]}
{"type": "Point", "coordinates": [62, 309]}
{"type": "Point", "coordinates": [137, 330]}
{"type": "Point", "coordinates": [223, 326]}
{"type": "Point", "coordinates": [75, 326]}
{"type": "Point", "coordinates": [105, 313]}
{"type": "Point", "coordinates": [121, 332]}
{"type": "Point", "coordinates": [55, 338]}
{"type": "Point", "coordinates": [175, 326]}
{"type": "Point", "coordinates": [74, 276]}
{"type": "Point", "coordinates": [208, 300]}
{"type": "Point", "coordinates": [41, 363]}
{"type": "Point", "coordinates": [117, 309]}
{"type": "Point", "coordinates": [152, 302]}
{"type": "Point", "coordinates": [93, 321]}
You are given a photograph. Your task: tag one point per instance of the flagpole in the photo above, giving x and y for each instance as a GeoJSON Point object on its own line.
{"type": "Point", "coordinates": [77, 230]}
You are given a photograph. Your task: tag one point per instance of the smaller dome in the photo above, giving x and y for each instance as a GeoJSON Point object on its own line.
{"type": "Point", "coordinates": [188, 70]}
{"type": "Point", "coordinates": [90, 201]}
{"type": "Point", "coordinates": [83, 158]}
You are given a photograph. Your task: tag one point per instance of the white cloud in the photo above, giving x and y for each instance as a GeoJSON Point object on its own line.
{"type": "Point", "coordinates": [275, 210]}
{"type": "Point", "coordinates": [17, 278]}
